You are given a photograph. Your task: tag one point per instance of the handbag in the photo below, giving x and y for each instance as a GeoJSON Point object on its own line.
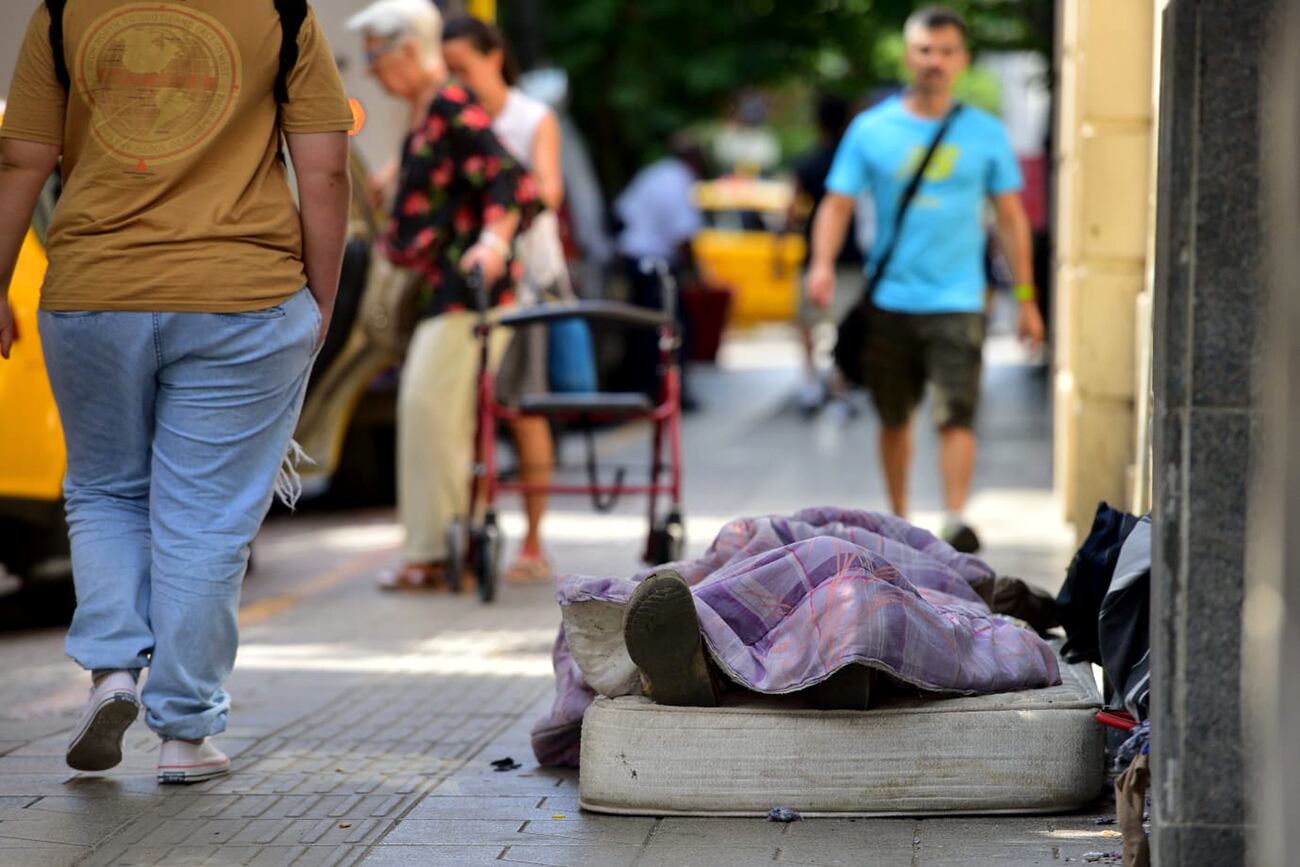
{"type": "Point", "coordinates": [854, 329]}
{"type": "Point", "coordinates": [570, 357]}
{"type": "Point", "coordinates": [570, 350]}
{"type": "Point", "coordinates": [389, 305]}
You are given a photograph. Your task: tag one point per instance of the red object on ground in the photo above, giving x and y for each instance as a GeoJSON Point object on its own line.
{"type": "Point", "coordinates": [1117, 719]}
{"type": "Point", "coordinates": [708, 307]}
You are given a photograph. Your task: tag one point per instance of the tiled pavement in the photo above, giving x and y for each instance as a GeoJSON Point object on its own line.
{"type": "Point", "coordinates": [328, 754]}
{"type": "Point", "coordinates": [364, 724]}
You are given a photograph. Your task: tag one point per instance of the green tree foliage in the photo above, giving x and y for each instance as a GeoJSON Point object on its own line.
{"type": "Point", "coordinates": [640, 69]}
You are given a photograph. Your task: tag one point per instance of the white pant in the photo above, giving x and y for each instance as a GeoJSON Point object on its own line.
{"type": "Point", "coordinates": [435, 428]}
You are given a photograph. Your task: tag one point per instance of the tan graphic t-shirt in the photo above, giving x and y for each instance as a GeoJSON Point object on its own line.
{"type": "Point", "coordinates": [173, 196]}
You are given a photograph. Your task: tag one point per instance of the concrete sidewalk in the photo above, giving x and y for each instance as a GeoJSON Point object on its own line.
{"type": "Point", "coordinates": [365, 724]}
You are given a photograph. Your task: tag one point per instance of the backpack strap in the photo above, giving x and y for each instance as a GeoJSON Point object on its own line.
{"type": "Point", "coordinates": [55, 8]}
{"type": "Point", "coordinates": [292, 14]}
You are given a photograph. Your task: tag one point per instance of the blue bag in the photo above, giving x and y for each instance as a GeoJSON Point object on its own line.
{"type": "Point", "coordinates": [571, 357]}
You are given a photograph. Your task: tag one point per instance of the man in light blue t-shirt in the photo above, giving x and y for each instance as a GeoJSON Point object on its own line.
{"type": "Point", "coordinates": [928, 325]}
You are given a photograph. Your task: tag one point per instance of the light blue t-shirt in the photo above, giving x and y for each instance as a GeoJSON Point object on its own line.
{"type": "Point", "coordinates": [938, 264]}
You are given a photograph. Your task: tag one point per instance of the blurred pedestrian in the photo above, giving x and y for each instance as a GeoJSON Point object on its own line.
{"type": "Point", "coordinates": [478, 56]}
{"type": "Point", "coordinates": [659, 219]}
{"type": "Point", "coordinates": [745, 144]}
{"type": "Point", "coordinates": [927, 321]}
{"type": "Point", "coordinates": [460, 200]}
{"type": "Point", "coordinates": [810, 171]}
{"type": "Point", "coordinates": [184, 302]}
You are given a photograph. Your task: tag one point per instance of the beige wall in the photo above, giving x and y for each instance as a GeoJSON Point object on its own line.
{"type": "Point", "coordinates": [1104, 170]}
{"type": "Point", "coordinates": [14, 15]}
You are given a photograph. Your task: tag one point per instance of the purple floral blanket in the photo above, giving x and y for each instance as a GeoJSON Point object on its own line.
{"type": "Point", "coordinates": [785, 602]}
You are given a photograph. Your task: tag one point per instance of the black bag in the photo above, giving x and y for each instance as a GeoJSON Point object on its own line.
{"type": "Point", "coordinates": [1087, 581]}
{"type": "Point", "coordinates": [851, 337]}
{"type": "Point", "coordinates": [1105, 606]}
{"type": "Point", "coordinates": [1124, 624]}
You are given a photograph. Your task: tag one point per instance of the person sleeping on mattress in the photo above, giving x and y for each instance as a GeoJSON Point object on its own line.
{"type": "Point", "coordinates": [820, 603]}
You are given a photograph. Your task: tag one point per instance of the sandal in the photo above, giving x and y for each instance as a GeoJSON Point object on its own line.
{"type": "Point", "coordinates": [417, 577]}
{"type": "Point", "coordinates": [529, 569]}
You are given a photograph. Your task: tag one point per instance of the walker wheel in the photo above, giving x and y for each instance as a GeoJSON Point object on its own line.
{"type": "Point", "coordinates": [456, 554]}
{"type": "Point", "coordinates": [667, 541]}
{"type": "Point", "coordinates": [486, 556]}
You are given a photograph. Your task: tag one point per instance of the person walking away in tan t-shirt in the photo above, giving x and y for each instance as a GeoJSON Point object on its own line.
{"type": "Point", "coordinates": [184, 302]}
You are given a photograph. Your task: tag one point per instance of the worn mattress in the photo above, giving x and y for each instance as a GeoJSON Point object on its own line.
{"type": "Point", "coordinates": [1034, 751]}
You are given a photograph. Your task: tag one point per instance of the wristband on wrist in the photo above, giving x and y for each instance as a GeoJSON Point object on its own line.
{"type": "Point", "coordinates": [1025, 292]}
{"type": "Point", "coordinates": [495, 241]}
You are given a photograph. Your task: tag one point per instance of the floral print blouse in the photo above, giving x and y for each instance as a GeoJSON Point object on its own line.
{"type": "Point", "coordinates": [455, 178]}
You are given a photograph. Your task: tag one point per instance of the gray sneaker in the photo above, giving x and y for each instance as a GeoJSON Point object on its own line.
{"type": "Point", "coordinates": [113, 706]}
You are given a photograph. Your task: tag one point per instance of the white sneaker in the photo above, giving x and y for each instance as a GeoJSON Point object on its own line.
{"type": "Point", "coordinates": [113, 706]}
{"type": "Point", "coordinates": [184, 762]}
{"type": "Point", "coordinates": [841, 410]}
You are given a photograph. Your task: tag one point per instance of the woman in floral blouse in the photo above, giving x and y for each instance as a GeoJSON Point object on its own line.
{"type": "Point", "coordinates": [459, 201]}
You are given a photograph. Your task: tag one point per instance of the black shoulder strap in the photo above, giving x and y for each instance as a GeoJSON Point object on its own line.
{"type": "Point", "coordinates": [292, 14]}
{"type": "Point", "coordinates": [55, 8]}
{"type": "Point", "coordinates": [909, 193]}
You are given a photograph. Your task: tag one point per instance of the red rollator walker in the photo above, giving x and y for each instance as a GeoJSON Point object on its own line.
{"type": "Point", "coordinates": [477, 544]}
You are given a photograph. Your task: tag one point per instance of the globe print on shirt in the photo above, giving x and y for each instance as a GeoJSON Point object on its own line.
{"type": "Point", "coordinates": [161, 81]}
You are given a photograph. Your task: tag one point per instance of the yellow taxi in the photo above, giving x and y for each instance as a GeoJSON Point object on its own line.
{"type": "Point", "coordinates": [33, 536]}
{"type": "Point", "coordinates": [745, 246]}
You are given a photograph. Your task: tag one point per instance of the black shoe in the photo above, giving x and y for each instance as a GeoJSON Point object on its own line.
{"type": "Point", "coordinates": [662, 633]}
{"type": "Point", "coordinates": [961, 537]}
{"type": "Point", "coordinates": [847, 689]}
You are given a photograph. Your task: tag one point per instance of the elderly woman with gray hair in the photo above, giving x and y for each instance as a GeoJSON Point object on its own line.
{"type": "Point", "coordinates": [460, 200]}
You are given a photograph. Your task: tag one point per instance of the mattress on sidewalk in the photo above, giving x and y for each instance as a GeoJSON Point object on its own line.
{"type": "Point", "coordinates": [1035, 751]}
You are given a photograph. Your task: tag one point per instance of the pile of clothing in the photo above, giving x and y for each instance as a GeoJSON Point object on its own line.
{"type": "Point", "coordinates": [1105, 607]}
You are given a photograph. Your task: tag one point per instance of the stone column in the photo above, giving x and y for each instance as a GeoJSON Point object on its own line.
{"type": "Point", "coordinates": [1272, 622]}
{"type": "Point", "coordinates": [1209, 295]}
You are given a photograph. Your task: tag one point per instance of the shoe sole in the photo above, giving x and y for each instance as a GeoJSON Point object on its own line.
{"type": "Point", "coordinates": [662, 633]}
{"type": "Point", "coordinates": [98, 746]}
{"type": "Point", "coordinates": [182, 776]}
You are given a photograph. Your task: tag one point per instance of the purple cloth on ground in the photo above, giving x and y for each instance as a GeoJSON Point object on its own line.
{"type": "Point", "coordinates": [784, 603]}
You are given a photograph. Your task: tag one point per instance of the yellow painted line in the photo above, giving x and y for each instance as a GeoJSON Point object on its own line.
{"type": "Point", "coordinates": [69, 699]}
{"type": "Point", "coordinates": [264, 609]}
